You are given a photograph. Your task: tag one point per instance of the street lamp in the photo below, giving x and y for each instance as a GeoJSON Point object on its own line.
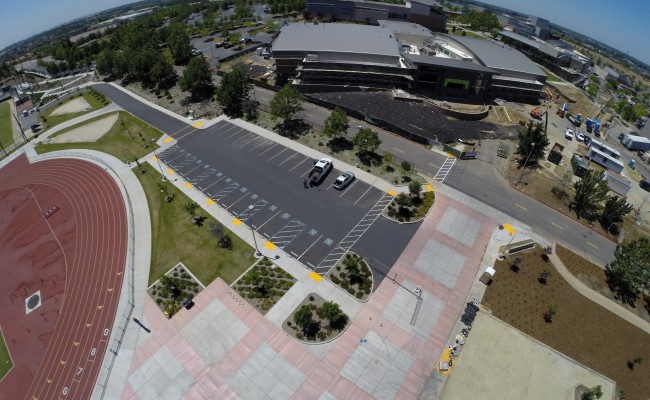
{"type": "Point", "coordinates": [250, 223]}
{"type": "Point", "coordinates": [521, 174]}
{"type": "Point", "coordinates": [164, 178]}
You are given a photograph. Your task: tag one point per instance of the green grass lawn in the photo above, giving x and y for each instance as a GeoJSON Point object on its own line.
{"type": "Point", "coordinates": [95, 99]}
{"type": "Point", "coordinates": [550, 77]}
{"type": "Point", "coordinates": [123, 140]}
{"type": "Point", "coordinates": [175, 238]}
{"type": "Point", "coordinates": [5, 360]}
{"type": "Point", "coordinates": [6, 132]}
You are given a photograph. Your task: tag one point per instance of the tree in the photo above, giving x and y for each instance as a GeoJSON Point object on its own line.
{"type": "Point", "coordinates": [330, 311]}
{"type": "Point", "coordinates": [594, 393]}
{"type": "Point", "coordinates": [366, 140]}
{"type": "Point", "coordinates": [197, 79]}
{"type": "Point", "coordinates": [303, 317]}
{"type": "Point", "coordinates": [415, 188]}
{"type": "Point", "coordinates": [179, 45]}
{"type": "Point", "coordinates": [630, 270]}
{"type": "Point", "coordinates": [234, 88]}
{"type": "Point", "coordinates": [615, 209]}
{"type": "Point", "coordinates": [552, 310]}
{"type": "Point", "coordinates": [286, 103]}
{"type": "Point", "coordinates": [191, 207]}
{"type": "Point", "coordinates": [337, 123]}
{"type": "Point", "coordinates": [590, 191]}
{"type": "Point", "coordinates": [532, 134]}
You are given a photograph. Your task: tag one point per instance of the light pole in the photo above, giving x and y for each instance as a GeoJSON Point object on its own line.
{"type": "Point", "coordinates": [250, 223]}
{"type": "Point", "coordinates": [521, 174]}
{"type": "Point", "coordinates": [164, 178]}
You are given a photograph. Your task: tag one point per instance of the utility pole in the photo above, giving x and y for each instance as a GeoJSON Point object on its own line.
{"type": "Point", "coordinates": [521, 174]}
{"type": "Point", "coordinates": [21, 127]}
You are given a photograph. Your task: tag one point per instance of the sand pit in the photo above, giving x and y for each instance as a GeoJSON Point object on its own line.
{"type": "Point", "coordinates": [73, 106]}
{"type": "Point", "coordinates": [90, 132]}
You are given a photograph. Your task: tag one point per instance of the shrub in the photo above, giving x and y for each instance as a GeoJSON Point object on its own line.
{"type": "Point", "coordinates": [360, 294]}
{"type": "Point", "coordinates": [300, 336]}
{"type": "Point", "coordinates": [406, 166]}
{"type": "Point", "coordinates": [338, 267]}
{"type": "Point", "coordinates": [400, 218]}
{"type": "Point", "coordinates": [351, 291]}
{"type": "Point", "coordinates": [322, 335]}
{"type": "Point", "coordinates": [335, 280]}
{"type": "Point", "coordinates": [311, 298]}
{"type": "Point", "coordinates": [288, 323]}
{"type": "Point", "coordinates": [159, 301]}
{"type": "Point", "coordinates": [345, 284]}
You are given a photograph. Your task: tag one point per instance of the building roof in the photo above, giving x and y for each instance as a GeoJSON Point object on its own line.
{"type": "Point", "coordinates": [403, 27]}
{"type": "Point", "coordinates": [448, 62]}
{"type": "Point", "coordinates": [497, 56]}
{"type": "Point", "coordinates": [340, 38]}
{"type": "Point", "coordinates": [432, 3]}
{"type": "Point", "coordinates": [521, 38]}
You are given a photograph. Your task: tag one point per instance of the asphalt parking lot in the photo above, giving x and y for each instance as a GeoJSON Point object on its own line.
{"type": "Point", "coordinates": [261, 183]}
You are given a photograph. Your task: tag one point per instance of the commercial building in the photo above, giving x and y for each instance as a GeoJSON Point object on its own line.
{"type": "Point", "coordinates": [428, 13]}
{"type": "Point", "coordinates": [329, 57]}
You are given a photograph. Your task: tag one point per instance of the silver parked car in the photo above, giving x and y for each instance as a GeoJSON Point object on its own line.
{"type": "Point", "coordinates": [344, 180]}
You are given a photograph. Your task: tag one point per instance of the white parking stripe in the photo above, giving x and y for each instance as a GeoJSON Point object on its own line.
{"type": "Point", "coordinates": [364, 193]}
{"type": "Point", "coordinates": [312, 245]}
{"type": "Point", "coordinates": [306, 158]}
{"type": "Point", "coordinates": [283, 150]}
{"type": "Point", "coordinates": [346, 190]}
{"type": "Point", "coordinates": [276, 214]}
{"type": "Point", "coordinates": [275, 144]}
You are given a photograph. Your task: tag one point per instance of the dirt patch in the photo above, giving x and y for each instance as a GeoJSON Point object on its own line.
{"type": "Point", "coordinates": [581, 329]}
{"type": "Point", "coordinates": [594, 277]}
{"type": "Point", "coordinates": [73, 106]}
{"type": "Point", "coordinates": [90, 132]}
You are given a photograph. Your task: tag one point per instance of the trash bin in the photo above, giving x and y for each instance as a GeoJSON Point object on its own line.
{"type": "Point", "coordinates": [631, 164]}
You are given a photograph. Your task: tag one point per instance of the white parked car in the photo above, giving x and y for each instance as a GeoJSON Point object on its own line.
{"type": "Point", "coordinates": [580, 137]}
{"type": "Point", "coordinates": [568, 133]}
{"type": "Point", "coordinates": [344, 180]}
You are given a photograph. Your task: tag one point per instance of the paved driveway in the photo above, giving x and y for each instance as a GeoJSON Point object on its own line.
{"type": "Point", "coordinates": [260, 182]}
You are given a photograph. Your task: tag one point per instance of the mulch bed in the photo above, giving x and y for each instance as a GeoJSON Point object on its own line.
{"type": "Point", "coordinates": [594, 277]}
{"type": "Point", "coordinates": [264, 285]}
{"type": "Point", "coordinates": [326, 333]}
{"type": "Point", "coordinates": [581, 329]}
{"type": "Point", "coordinates": [187, 285]}
{"type": "Point", "coordinates": [340, 275]}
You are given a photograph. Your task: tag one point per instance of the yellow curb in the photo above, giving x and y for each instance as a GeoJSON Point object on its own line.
{"type": "Point", "coordinates": [444, 357]}
{"type": "Point", "coordinates": [210, 202]}
{"type": "Point", "coordinates": [188, 185]}
{"type": "Point", "coordinates": [236, 221]}
{"type": "Point", "coordinates": [198, 124]}
{"type": "Point", "coordinates": [392, 193]}
{"type": "Point", "coordinates": [169, 139]}
{"type": "Point", "coordinates": [269, 245]}
{"type": "Point", "coordinates": [451, 155]}
{"type": "Point", "coordinates": [509, 229]}
{"type": "Point", "coordinates": [429, 188]}
{"type": "Point", "coordinates": [170, 171]}
{"type": "Point", "coordinates": [154, 158]}
{"type": "Point", "coordinates": [315, 277]}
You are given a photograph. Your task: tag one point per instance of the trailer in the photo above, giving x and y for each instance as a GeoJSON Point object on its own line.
{"type": "Point", "coordinates": [633, 142]}
{"type": "Point", "coordinates": [574, 119]}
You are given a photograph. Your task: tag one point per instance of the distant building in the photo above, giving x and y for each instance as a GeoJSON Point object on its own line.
{"type": "Point", "coordinates": [330, 57]}
{"type": "Point", "coordinates": [533, 26]}
{"type": "Point", "coordinates": [428, 13]}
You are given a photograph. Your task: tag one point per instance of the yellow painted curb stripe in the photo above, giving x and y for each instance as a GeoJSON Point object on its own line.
{"type": "Point", "coordinates": [188, 185]}
{"type": "Point", "coordinates": [429, 188]}
{"type": "Point", "coordinates": [236, 221]}
{"type": "Point", "coordinates": [198, 124]}
{"type": "Point", "coordinates": [269, 245]}
{"type": "Point", "coordinates": [392, 193]}
{"type": "Point", "coordinates": [210, 202]}
{"type": "Point", "coordinates": [169, 139]}
{"type": "Point", "coordinates": [451, 155]}
{"type": "Point", "coordinates": [509, 229]}
{"type": "Point", "coordinates": [170, 171]}
{"type": "Point", "coordinates": [315, 277]}
{"type": "Point", "coordinates": [154, 158]}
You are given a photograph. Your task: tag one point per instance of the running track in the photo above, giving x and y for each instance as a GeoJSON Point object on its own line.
{"type": "Point", "coordinates": [76, 258]}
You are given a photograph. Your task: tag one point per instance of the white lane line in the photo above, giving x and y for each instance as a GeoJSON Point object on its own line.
{"type": "Point", "coordinates": [283, 150]}
{"type": "Point", "coordinates": [306, 158]}
{"type": "Point", "coordinates": [289, 158]}
{"type": "Point", "coordinates": [275, 144]}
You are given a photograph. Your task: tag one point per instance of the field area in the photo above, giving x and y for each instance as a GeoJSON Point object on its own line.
{"type": "Point", "coordinates": [94, 99]}
{"type": "Point", "coordinates": [580, 329]}
{"type": "Point", "coordinates": [6, 131]}
{"type": "Point", "coordinates": [125, 140]}
{"type": "Point", "coordinates": [5, 360]}
{"type": "Point", "coordinates": [175, 238]}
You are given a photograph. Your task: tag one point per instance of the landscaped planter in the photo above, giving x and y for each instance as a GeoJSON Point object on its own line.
{"type": "Point", "coordinates": [171, 289]}
{"type": "Point", "coordinates": [264, 285]}
{"type": "Point", "coordinates": [405, 208]}
{"type": "Point", "coordinates": [316, 320]}
{"type": "Point", "coordinates": [353, 275]}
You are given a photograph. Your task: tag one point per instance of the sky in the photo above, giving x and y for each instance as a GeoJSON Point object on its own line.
{"type": "Point", "coordinates": [623, 25]}
{"type": "Point", "coordinates": [22, 20]}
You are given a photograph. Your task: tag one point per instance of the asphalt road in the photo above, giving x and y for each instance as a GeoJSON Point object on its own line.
{"type": "Point", "coordinates": [474, 178]}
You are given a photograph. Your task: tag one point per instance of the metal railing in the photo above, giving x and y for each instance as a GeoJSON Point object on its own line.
{"type": "Point", "coordinates": [127, 314]}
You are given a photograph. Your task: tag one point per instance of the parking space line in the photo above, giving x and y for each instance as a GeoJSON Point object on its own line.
{"type": "Point", "coordinates": [236, 132]}
{"type": "Point", "coordinates": [274, 144]}
{"type": "Point", "coordinates": [246, 135]}
{"type": "Point", "coordinates": [296, 166]}
{"type": "Point", "coordinates": [289, 158]}
{"type": "Point", "coordinates": [283, 150]}
{"type": "Point", "coordinates": [217, 181]}
{"type": "Point", "coordinates": [315, 241]}
{"type": "Point", "coordinates": [221, 132]}
{"type": "Point", "coordinates": [276, 214]}
{"type": "Point", "coordinates": [364, 193]}
{"type": "Point", "coordinates": [348, 188]}
{"type": "Point", "coordinates": [236, 201]}
{"type": "Point", "coordinates": [264, 140]}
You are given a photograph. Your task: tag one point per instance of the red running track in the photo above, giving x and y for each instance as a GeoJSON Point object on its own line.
{"type": "Point", "coordinates": [76, 258]}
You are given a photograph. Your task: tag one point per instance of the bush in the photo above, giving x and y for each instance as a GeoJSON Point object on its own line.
{"type": "Point", "coordinates": [351, 291]}
{"type": "Point", "coordinates": [345, 284]}
{"type": "Point", "coordinates": [300, 336]}
{"type": "Point", "coordinates": [406, 166]}
{"type": "Point", "coordinates": [311, 298]}
{"type": "Point", "coordinates": [360, 294]}
{"type": "Point", "coordinates": [322, 335]}
{"type": "Point", "coordinates": [335, 280]}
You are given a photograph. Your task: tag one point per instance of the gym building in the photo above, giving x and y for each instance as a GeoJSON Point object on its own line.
{"type": "Point", "coordinates": [403, 55]}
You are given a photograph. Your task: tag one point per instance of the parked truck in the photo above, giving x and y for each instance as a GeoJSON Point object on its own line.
{"type": "Point", "coordinates": [593, 125]}
{"type": "Point", "coordinates": [321, 168]}
{"type": "Point", "coordinates": [633, 142]}
{"type": "Point", "coordinates": [574, 119]}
